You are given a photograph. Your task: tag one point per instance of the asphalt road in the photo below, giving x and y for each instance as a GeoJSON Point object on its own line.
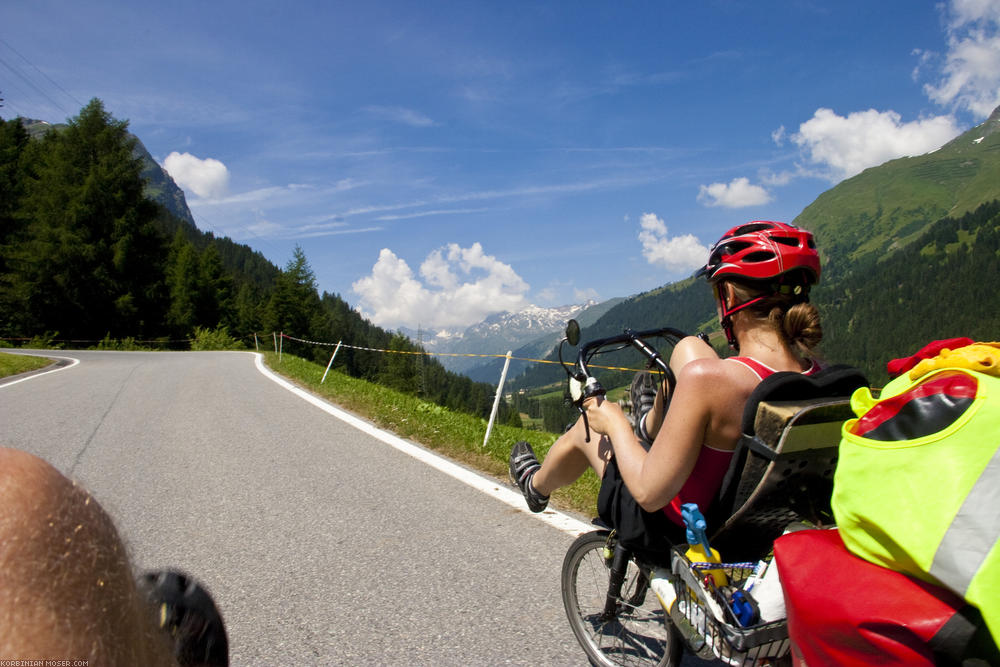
{"type": "Point", "coordinates": [321, 543]}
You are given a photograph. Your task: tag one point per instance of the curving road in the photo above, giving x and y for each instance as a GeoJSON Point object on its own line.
{"type": "Point", "coordinates": [321, 543]}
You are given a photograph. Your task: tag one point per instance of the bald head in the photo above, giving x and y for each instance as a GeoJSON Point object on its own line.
{"type": "Point", "coordinates": [66, 587]}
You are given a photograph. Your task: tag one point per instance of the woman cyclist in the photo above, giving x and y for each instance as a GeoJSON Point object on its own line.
{"type": "Point", "coordinates": [760, 273]}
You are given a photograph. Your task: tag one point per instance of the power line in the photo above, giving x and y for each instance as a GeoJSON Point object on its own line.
{"type": "Point", "coordinates": [32, 85]}
{"type": "Point", "coordinates": [47, 77]}
{"type": "Point", "coordinates": [36, 81]}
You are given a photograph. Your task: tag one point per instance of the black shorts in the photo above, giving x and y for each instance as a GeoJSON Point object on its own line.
{"type": "Point", "coordinates": [651, 534]}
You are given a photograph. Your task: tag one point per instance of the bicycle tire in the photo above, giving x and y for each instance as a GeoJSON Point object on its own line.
{"type": "Point", "coordinates": [640, 633]}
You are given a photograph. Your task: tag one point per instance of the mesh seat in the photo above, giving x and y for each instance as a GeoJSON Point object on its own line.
{"type": "Point", "coordinates": [782, 470]}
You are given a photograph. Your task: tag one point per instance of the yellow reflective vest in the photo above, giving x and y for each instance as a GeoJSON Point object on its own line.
{"type": "Point", "coordinates": [917, 485]}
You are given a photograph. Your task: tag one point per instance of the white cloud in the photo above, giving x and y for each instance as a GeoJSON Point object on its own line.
{"type": "Point", "coordinates": [970, 76]}
{"type": "Point", "coordinates": [966, 11]}
{"type": "Point", "coordinates": [736, 194]}
{"type": "Point", "coordinates": [967, 78]}
{"type": "Point", "coordinates": [778, 136]}
{"type": "Point", "coordinates": [435, 212]}
{"type": "Point", "coordinates": [846, 145]}
{"type": "Point", "coordinates": [677, 254]}
{"type": "Point", "coordinates": [207, 179]}
{"type": "Point", "coordinates": [457, 287]}
{"type": "Point", "coordinates": [401, 115]}
{"type": "Point", "coordinates": [546, 296]}
{"type": "Point", "coordinates": [768, 177]}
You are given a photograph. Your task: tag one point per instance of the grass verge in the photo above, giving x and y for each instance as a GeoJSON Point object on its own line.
{"type": "Point", "coordinates": [456, 435]}
{"type": "Point", "coordinates": [12, 364]}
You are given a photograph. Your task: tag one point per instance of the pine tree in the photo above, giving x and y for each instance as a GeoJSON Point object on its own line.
{"type": "Point", "coordinates": [247, 310]}
{"type": "Point", "coordinates": [181, 277]}
{"type": "Point", "coordinates": [91, 261]}
{"type": "Point", "coordinates": [14, 142]}
{"type": "Point", "coordinates": [294, 303]}
{"type": "Point", "coordinates": [215, 291]}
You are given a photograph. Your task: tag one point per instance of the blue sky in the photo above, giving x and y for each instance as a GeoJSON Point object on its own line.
{"type": "Point", "coordinates": [441, 161]}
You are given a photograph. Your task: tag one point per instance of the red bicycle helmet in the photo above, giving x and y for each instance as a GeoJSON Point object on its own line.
{"type": "Point", "coordinates": [776, 254]}
{"type": "Point", "coordinates": [763, 250]}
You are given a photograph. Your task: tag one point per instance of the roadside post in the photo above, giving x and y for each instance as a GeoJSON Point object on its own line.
{"type": "Point", "coordinates": [496, 399]}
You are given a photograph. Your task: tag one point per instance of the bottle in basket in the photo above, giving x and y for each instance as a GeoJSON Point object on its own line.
{"type": "Point", "coordinates": [699, 550]}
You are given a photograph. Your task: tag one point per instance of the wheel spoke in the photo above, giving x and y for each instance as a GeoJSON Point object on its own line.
{"type": "Point", "coordinates": [638, 634]}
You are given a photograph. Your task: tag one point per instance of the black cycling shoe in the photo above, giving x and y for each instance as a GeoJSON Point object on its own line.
{"type": "Point", "coordinates": [523, 466]}
{"type": "Point", "coordinates": [642, 394]}
{"type": "Point", "coordinates": [187, 612]}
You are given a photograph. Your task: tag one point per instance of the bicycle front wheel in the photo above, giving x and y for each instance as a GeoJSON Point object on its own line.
{"type": "Point", "coordinates": [637, 631]}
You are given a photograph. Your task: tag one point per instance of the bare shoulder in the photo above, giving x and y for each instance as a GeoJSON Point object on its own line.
{"type": "Point", "coordinates": [709, 371]}
{"type": "Point", "coordinates": [717, 390]}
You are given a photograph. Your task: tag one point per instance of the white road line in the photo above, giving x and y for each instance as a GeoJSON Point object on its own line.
{"type": "Point", "coordinates": [74, 361]}
{"type": "Point", "coordinates": [491, 487]}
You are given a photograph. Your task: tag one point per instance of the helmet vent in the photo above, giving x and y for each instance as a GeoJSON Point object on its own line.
{"type": "Point", "coordinates": [734, 247]}
{"type": "Point", "coordinates": [752, 227]}
{"type": "Point", "coordinates": [786, 241]}
{"type": "Point", "coordinates": [760, 256]}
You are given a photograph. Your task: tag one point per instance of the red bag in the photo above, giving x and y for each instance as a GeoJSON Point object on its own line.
{"type": "Point", "coordinates": [899, 366]}
{"type": "Point", "coordinates": [843, 610]}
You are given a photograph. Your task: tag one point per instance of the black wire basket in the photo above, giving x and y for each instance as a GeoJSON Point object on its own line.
{"type": "Point", "coordinates": [702, 613]}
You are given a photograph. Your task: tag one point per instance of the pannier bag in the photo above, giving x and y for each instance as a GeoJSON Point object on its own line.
{"type": "Point", "coordinates": [917, 485]}
{"type": "Point", "coordinates": [847, 612]}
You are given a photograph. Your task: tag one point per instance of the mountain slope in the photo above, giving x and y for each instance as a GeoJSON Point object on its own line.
{"type": "Point", "coordinates": [942, 285]}
{"type": "Point", "coordinates": [884, 208]}
{"type": "Point", "coordinates": [161, 188]}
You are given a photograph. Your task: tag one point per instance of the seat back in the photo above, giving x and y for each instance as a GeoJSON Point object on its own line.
{"type": "Point", "coordinates": [782, 470]}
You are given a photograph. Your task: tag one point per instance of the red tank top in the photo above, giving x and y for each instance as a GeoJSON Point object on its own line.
{"type": "Point", "coordinates": [712, 464]}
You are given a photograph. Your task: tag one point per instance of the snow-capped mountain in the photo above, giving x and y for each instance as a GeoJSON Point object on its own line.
{"type": "Point", "coordinates": [496, 334]}
{"type": "Point", "coordinates": [532, 331]}
{"type": "Point", "coordinates": [516, 328]}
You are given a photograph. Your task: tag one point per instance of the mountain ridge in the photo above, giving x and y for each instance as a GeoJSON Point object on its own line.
{"type": "Point", "coordinates": [540, 347]}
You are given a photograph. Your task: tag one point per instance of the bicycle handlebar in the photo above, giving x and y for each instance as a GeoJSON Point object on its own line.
{"type": "Point", "coordinates": [589, 386]}
{"type": "Point", "coordinates": [636, 340]}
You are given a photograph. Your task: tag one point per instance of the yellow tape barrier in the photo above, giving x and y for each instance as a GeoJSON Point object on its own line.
{"type": "Point", "coordinates": [453, 354]}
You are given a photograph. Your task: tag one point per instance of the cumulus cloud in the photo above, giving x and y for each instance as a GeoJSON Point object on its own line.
{"type": "Point", "coordinates": [970, 75]}
{"type": "Point", "coordinates": [842, 146]}
{"type": "Point", "coordinates": [207, 179]}
{"type": "Point", "coordinates": [738, 193]}
{"type": "Point", "coordinates": [456, 287]}
{"type": "Point", "coordinates": [677, 254]}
